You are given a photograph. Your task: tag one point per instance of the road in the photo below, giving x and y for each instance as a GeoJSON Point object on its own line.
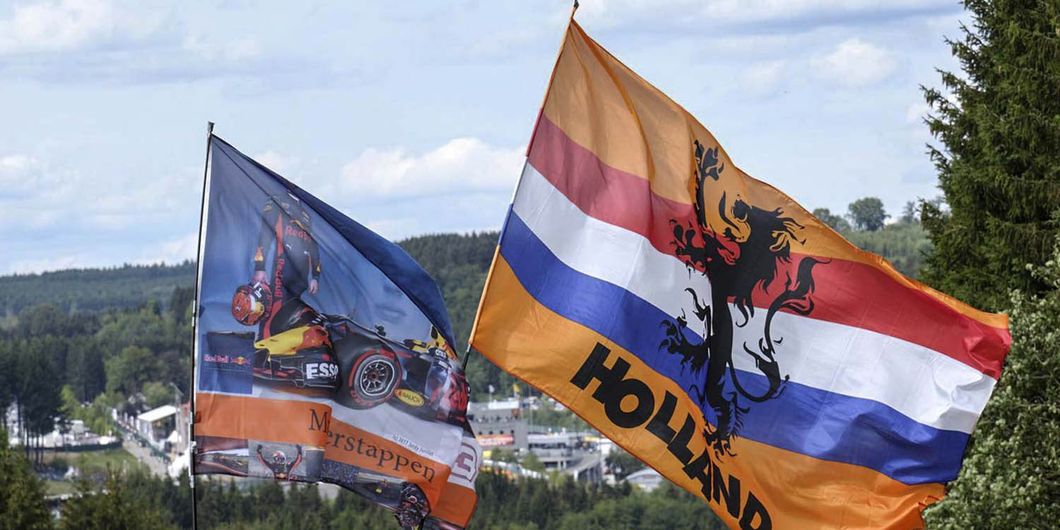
{"type": "Point", "coordinates": [143, 454]}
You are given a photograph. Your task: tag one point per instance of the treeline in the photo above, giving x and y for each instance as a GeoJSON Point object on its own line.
{"type": "Point", "coordinates": [79, 290]}
{"type": "Point", "coordinates": [60, 366]}
{"type": "Point", "coordinates": [135, 500]}
{"type": "Point", "coordinates": [904, 242]}
{"type": "Point", "coordinates": [459, 263]}
{"type": "Point", "coordinates": [137, 339]}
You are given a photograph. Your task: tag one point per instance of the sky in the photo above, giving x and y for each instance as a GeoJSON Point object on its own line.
{"type": "Point", "coordinates": [412, 117]}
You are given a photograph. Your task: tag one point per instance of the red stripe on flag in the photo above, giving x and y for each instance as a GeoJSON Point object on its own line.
{"type": "Point", "coordinates": [847, 292]}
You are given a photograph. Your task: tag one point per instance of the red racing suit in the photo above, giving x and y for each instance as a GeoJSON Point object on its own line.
{"type": "Point", "coordinates": [295, 260]}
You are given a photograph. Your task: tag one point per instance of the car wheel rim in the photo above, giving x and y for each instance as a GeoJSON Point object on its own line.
{"type": "Point", "coordinates": [376, 376]}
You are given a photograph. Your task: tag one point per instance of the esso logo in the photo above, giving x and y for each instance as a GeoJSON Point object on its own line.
{"type": "Point", "coordinates": [321, 370]}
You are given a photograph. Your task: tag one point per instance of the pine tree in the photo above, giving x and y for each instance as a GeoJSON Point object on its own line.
{"type": "Point", "coordinates": [999, 165]}
{"type": "Point", "coordinates": [22, 503]}
{"type": "Point", "coordinates": [113, 505]}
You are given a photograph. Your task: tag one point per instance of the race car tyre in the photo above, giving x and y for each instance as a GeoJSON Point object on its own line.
{"type": "Point", "coordinates": [373, 378]}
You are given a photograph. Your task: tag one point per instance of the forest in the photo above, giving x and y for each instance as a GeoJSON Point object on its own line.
{"type": "Point", "coordinates": [74, 343]}
{"type": "Point", "coordinates": [133, 351]}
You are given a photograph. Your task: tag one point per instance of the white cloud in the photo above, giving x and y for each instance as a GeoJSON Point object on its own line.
{"type": "Point", "coordinates": [26, 266]}
{"type": "Point", "coordinates": [461, 165]}
{"type": "Point", "coordinates": [395, 229]}
{"type": "Point", "coordinates": [172, 251]}
{"type": "Point", "coordinates": [18, 172]}
{"type": "Point", "coordinates": [277, 162]}
{"type": "Point", "coordinates": [39, 195]}
{"type": "Point", "coordinates": [233, 51]}
{"type": "Point", "coordinates": [855, 63]}
{"type": "Point", "coordinates": [721, 12]}
{"type": "Point", "coordinates": [64, 25]}
{"type": "Point", "coordinates": [916, 112]}
{"type": "Point", "coordinates": [762, 77]}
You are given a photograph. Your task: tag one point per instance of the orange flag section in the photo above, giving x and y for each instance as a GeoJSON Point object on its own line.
{"type": "Point", "coordinates": [604, 106]}
{"type": "Point", "coordinates": [656, 417]}
{"type": "Point", "coordinates": [308, 423]}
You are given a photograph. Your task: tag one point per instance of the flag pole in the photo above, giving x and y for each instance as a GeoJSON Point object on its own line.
{"type": "Point", "coordinates": [195, 327]}
{"type": "Point", "coordinates": [529, 145]}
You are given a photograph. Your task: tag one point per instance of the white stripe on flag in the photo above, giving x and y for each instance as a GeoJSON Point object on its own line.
{"type": "Point", "coordinates": [922, 384]}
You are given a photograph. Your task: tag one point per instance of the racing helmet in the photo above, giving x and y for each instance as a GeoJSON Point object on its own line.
{"type": "Point", "coordinates": [251, 303]}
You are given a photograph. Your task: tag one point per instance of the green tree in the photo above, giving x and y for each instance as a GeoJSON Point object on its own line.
{"type": "Point", "coordinates": [37, 396]}
{"type": "Point", "coordinates": [157, 394]}
{"type": "Point", "coordinates": [867, 214]}
{"type": "Point", "coordinates": [7, 381]}
{"type": "Point", "coordinates": [1012, 477]}
{"type": "Point", "coordinates": [622, 463]}
{"type": "Point", "coordinates": [999, 162]}
{"type": "Point", "coordinates": [835, 221]}
{"type": "Point", "coordinates": [22, 505]}
{"type": "Point", "coordinates": [533, 463]}
{"type": "Point", "coordinates": [129, 370]}
{"type": "Point", "coordinates": [115, 506]}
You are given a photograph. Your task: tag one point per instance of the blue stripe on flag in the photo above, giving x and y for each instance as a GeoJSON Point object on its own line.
{"type": "Point", "coordinates": [803, 419]}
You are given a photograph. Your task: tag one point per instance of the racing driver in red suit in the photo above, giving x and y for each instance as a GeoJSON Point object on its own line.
{"type": "Point", "coordinates": [286, 233]}
{"type": "Point", "coordinates": [295, 263]}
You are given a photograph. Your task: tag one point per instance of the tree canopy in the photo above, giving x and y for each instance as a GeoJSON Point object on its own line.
{"type": "Point", "coordinates": [998, 121]}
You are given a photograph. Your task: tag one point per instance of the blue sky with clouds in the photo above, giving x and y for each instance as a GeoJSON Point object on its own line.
{"type": "Point", "coordinates": [412, 117]}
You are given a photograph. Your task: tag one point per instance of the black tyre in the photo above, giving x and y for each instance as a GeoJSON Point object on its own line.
{"type": "Point", "coordinates": [373, 378]}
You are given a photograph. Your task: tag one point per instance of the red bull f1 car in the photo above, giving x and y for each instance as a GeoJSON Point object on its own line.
{"type": "Point", "coordinates": [363, 366]}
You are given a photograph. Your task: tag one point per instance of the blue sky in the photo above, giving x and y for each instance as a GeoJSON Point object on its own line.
{"type": "Point", "coordinates": [412, 117]}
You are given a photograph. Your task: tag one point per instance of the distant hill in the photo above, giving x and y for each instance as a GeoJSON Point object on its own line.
{"type": "Point", "coordinates": [94, 289]}
{"type": "Point", "coordinates": [459, 264]}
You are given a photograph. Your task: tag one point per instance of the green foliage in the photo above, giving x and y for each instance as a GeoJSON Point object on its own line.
{"type": "Point", "coordinates": [78, 290]}
{"type": "Point", "coordinates": [532, 462]}
{"type": "Point", "coordinates": [527, 503]}
{"type": "Point", "coordinates": [1011, 479]}
{"type": "Point", "coordinates": [128, 371]}
{"type": "Point", "coordinates": [622, 464]}
{"type": "Point", "coordinates": [904, 244]}
{"type": "Point", "coordinates": [118, 505]}
{"type": "Point", "coordinates": [663, 509]}
{"type": "Point", "coordinates": [22, 505]}
{"type": "Point", "coordinates": [867, 214]}
{"type": "Point", "coordinates": [835, 221]}
{"type": "Point", "coordinates": [36, 394]}
{"type": "Point", "coordinates": [157, 394]}
{"type": "Point", "coordinates": [96, 414]}
{"type": "Point", "coordinates": [999, 163]}
{"type": "Point", "coordinates": [459, 264]}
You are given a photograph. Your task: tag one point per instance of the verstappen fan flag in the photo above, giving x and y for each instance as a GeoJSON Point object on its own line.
{"type": "Point", "coordinates": [712, 327]}
{"type": "Point", "coordinates": [324, 353]}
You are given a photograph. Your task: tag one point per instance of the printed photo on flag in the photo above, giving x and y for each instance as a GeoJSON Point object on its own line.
{"type": "Point", "coordinates": [324, 353]}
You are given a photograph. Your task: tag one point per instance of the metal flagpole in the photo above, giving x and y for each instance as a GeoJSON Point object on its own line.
{"type": "Point", "coordinates": [529, 145]}
{"type": "Point", "coordinates": [195, 326]}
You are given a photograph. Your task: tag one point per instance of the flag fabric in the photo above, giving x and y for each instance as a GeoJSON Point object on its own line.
{"type": "Point", "coordinates": [324, 353]}
{"type": "Point", "coordinates": [714, 328]}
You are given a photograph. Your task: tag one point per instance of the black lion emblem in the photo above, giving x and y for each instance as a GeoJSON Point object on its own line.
{"type": "Point", "coordinates": [739, 257]}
